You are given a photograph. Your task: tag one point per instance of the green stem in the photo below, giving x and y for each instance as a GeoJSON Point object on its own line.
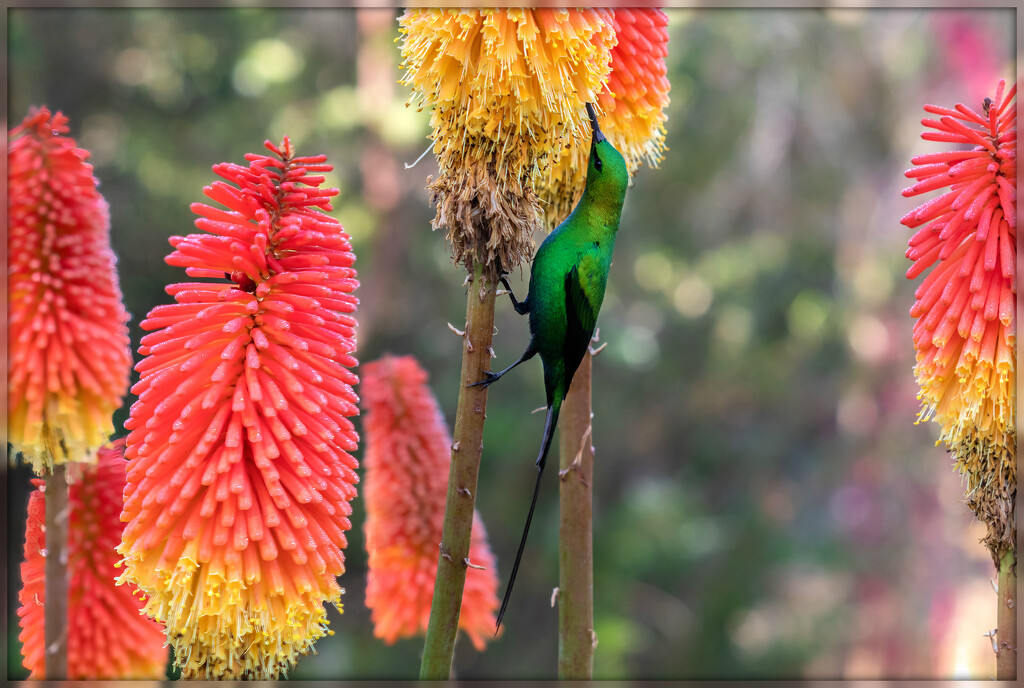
{"type": "Point", "coordinates": [575, 539]}
{"type": "Point", "coordinates": [467, 446]}
{"type": "Point", "coordinates": [55, 614]}
{"type": "Point", "coordinates": [1006, 619]}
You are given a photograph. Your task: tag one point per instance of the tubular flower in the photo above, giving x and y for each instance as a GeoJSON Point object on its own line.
{"type": "Point", "coordinates": [69, 351]}
{"type": "Point", "coordinates": [407, 457]}
{"type": "Point", "coordinates": [633, 105]}
{"type": "Point", "coordinates": [508, 88]}
{"type": "Point", "coordinates": [108, 637]}
{"type": "Point", "coordinates": [239, 477]}
{"type": "Point", "coordinates": [965, 331]}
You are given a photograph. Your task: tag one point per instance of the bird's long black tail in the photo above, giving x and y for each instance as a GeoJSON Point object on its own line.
{"type": "Point", "coordinates": [549, 430]}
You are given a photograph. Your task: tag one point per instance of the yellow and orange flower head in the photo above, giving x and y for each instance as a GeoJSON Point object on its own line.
{"type": "Point", "coordinates": [408, 451]}
{"type": "Point", "coordinates": [108, 637]}
{"type": "Point", "coordinates": [965, 309]}
{"type": "Point", "coordinates": [507, 88]}
{"type": "Point", "coordinates": [69, 356]}
{"type": "Point", "coordinates": [239, 476]}
{"type": "Point", "coordinates": [633, 109]}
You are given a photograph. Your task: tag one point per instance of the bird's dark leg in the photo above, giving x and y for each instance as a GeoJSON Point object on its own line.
{"type": "Point", "coordinates": [493, 377]}
{"type": "Point", "coordinates": [549, 431]}
{"type": "Point", "coordinates": [522, 307]}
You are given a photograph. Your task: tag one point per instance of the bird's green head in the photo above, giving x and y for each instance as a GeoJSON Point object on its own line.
{"type": "Point", "coordinates": [607, 174]}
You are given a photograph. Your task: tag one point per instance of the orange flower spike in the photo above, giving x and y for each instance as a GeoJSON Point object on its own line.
{"type": "Point", "coordinates": [408, 450]}
{"type": "Point", "coordinates": [239, 477]}
{"type": "Point", "coordinates": [69, 353]}
{"type": "Point", "coordinates": [632, 108]}
{"type": "Point", "coordinates": [109, 639]}
{"type": "Point", "coordinates": [965, 330]}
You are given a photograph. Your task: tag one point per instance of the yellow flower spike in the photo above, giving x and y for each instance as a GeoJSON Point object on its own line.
{"type": "Point", "coordinates": [507, 88]}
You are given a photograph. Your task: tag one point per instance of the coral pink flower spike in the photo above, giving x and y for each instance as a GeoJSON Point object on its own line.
{"type": "Point", "coordinates": [239, 477]}
{"type": "Point", "coordinates": [635, 114]}
{"type": "Point", "coordinates": [69, 356]}
{"type": "Point", "coordinates": [965, 334]}
{"type": "Point", "coordinates": [632, 106]}
{"type": "Point", "coordinates": [408, 452]}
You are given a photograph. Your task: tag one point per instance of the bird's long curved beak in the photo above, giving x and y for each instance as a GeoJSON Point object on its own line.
{"type": "Point", "coordinates": [598, 137]}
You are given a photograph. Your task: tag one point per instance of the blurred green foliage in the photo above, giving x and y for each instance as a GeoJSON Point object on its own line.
{"type": "Point", "coordinates": [764, 504]}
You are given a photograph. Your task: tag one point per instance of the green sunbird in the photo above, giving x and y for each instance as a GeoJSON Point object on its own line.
{"type": "Point", "coordinates": [567, 283]}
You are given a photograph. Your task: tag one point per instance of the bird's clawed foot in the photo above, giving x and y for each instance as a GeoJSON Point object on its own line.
{"type": "Point", "coordinates": [487, 381]}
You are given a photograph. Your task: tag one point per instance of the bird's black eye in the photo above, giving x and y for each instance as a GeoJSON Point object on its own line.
{"type": "Point", "coordinates": [597, 162]}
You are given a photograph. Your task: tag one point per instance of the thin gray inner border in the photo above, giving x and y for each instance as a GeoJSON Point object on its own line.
{"type": "Point", "coordinates": [9, 5]}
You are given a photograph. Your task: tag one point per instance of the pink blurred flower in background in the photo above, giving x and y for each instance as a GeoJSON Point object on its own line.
{"type": "Point", "coordinates": [967, 51]}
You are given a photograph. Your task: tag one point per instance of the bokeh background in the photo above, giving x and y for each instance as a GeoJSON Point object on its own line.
{"type": "Point", "coordinates": [765, 505]}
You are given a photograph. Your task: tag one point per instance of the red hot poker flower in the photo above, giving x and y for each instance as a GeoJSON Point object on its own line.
{"type": "Point", "coordinates": [965, 309]}
{"type": "Point", "coordinates": [69, 350]}
{"type": "Point", "coordinates": [408, 451]}
{"type": "Point", "coordinates": [638, 87]}
{"type": "Point", "coordinates": [239, 478]}
{"type": "Point", "coordinates": [108, 637]}
{"type": "Point", "coordinates": [632, 105]}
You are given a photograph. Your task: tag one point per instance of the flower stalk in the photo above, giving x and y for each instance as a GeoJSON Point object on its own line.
{"type": "Point", "coordinates": [633, 108]}
{"type": "Point", "coordinates": [576, 638]}
{"type": "Point", "coordinates": [453, 559]}
{"type": "Point", "coordinates": [1006, 619]}
{"type": "Point", "coordinates": [55, 619]}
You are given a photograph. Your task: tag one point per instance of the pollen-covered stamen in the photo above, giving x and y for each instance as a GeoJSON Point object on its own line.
{"type": "Point", "coordinates": [240, 478]}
